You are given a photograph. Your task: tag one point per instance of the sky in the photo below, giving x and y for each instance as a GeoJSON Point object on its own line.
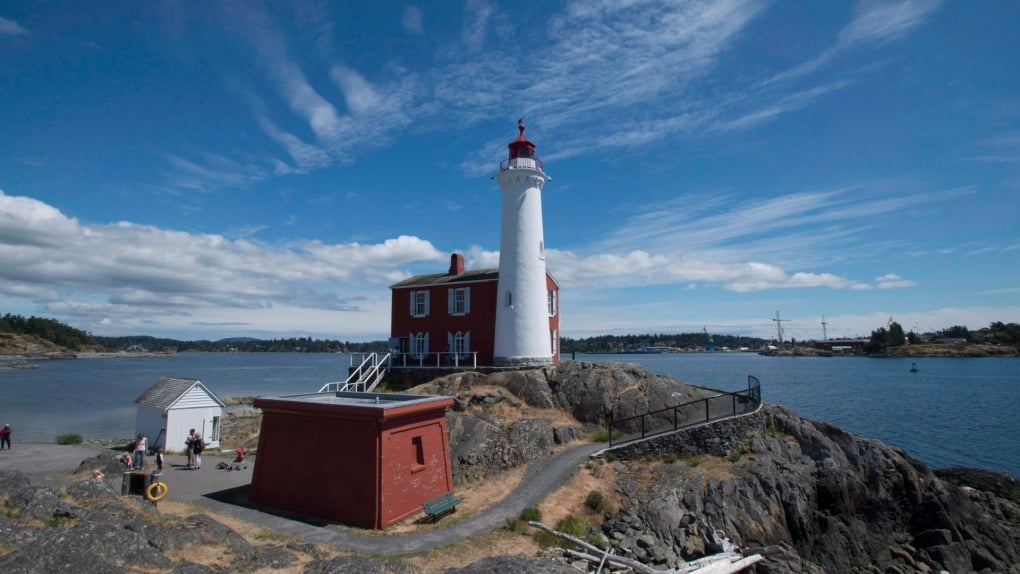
{"type": "Point", "coordinates": [248, 169]}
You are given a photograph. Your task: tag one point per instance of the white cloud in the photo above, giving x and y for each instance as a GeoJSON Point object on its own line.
{"type": "Point", "coordinates": [882, 20]}
{"type": "Point", "coordinates": [11, 28]}
{"type": "Point", "coordinates": [358, 93]}
{"type": "Point", "coordinates": [129, 274]}
{"type": "Point", "coordinates": [412, 20]}
{"type": "Point", "coordinates": [893, 281]}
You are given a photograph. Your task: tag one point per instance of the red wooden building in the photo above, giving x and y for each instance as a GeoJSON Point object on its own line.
{"type": "Point", "coordinates": [449, 319]}
{"type": "Point", "coordinates": [364, 459]}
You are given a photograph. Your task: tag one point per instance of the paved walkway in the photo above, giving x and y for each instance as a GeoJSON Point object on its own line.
{"type": "Point", "coordinates": [226, 493]}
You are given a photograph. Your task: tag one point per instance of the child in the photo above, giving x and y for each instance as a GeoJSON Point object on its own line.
{"type": "Point", "coordinates": [159, 461]}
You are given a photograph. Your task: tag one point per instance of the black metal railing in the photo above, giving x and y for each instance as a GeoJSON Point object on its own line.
{"type": "Point", "coordinates": [671, 419]}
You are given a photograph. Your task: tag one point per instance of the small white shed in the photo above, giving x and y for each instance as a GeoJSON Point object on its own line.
{"type": "Point", "coordinates": [171, 407]}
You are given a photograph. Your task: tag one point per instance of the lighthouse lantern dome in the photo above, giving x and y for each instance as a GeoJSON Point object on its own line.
{"type": "Point", "coordinates": [522, 152]}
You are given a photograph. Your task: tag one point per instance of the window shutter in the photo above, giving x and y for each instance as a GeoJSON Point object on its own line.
{"type": "Point", "coordinates": [425, 349]}
{"type": "Point", "coordinates": [467, 300]}
{"type": "Point", "coordinates": [467, 344]}
{"type": "Point", "coordinates": [449, 342]}
{"type": "Point", "coordinates": [450, 301]}
{"type": "Point", "coordinates": [412, 303]}
{"type": "Point", "coordinates": [427, 303]}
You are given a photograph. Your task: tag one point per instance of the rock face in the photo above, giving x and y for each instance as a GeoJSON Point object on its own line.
{"type": "Point", "coordinates": [831, 501]}
{"type": "Point", "coordinates": [486, 440]}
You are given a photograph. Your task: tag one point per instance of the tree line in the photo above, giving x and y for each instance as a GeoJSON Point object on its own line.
{"type": "Point", "coordinates": [997, 333]}
{"type": "Point", "coordinates": [635, 343]}
{"type": "Point", "coordinates": [47, 329]}
{"type": "Point", "coordinates": [892, 335]}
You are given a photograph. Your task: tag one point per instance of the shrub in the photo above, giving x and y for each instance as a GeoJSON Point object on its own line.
{"type": "Point", "coordinates": [70, 438]}
{"type": "Point", "coordinates": [595, 502]}
{"type": "Point", "coordinates": [735, 455]}
{"type": "Point", "coordinates": [600, 436]}
{"type": "Point", "coordinates": [572, 525]}
{"type": "Point", "coordinates": [669, 457]}
{"type": "Point", "coordinates": [531, 515]}
{"type": "Point", "coordinates": [696, 460]}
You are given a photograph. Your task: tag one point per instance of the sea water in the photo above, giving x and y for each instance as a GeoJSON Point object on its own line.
{"type": "Point", "coordinates": [951, 412]}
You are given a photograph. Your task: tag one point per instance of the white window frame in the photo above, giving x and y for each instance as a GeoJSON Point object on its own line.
{"type": "Point", "coordinates": [419, 345]}
{"type": "Point", "coordinates": [458, 301]}
{"type": "Point", "coordinates": [460, 343]}
{"type": "Point", "coordinates": [553, 296]}
{"type": "Point", "coordinates": [553, 339]}
{"type": "Point", "coordinates": [419, 303]}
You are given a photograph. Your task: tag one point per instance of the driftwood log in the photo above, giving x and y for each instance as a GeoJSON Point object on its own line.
{"type": "Point", "coordinates": [727, 562]}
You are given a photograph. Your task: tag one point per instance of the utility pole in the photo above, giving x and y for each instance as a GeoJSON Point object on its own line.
{"type": "Point", "coordinates": [779, 328]}
{"type": "Point", "coordinates": [825, 335]}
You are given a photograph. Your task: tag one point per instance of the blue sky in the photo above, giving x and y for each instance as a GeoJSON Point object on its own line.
{"type": "Point", "coordinates": [243, 169]}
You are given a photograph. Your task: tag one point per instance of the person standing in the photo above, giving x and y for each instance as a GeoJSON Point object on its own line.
{"type": "Point", "coordinates": [141, 445]}
{"type": "Point", "coordinates": [197, 447]}
{"type": "Point", "coordinates": [159, 461]}
{"type": "Point", "coordinates": [190, 442]}
{"type": "Point", "coordinates": [5, 437]}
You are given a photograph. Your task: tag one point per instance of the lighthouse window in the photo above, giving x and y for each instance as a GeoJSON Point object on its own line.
{"type": "Point", "coordinates": [541, 250]}
{"type": "Point", "coordinates": [509, 299]}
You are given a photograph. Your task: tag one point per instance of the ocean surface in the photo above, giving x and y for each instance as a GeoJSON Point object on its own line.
{"type": "Point", "coordinates": [952, 412]}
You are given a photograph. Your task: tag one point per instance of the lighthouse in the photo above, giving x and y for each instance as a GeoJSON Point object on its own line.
{"type": "Point", "coordinates": [522, 336]}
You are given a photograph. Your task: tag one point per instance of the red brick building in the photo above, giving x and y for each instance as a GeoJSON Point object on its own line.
{"type": "Point", "coordinates": [364, 459]}
{"type": "Point", "coordinates": [448, 319]}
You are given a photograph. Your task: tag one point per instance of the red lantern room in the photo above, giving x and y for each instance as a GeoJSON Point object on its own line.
{"type": "Point", "coordinates": [522, 152]}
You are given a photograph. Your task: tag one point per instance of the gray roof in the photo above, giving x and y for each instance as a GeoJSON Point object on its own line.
{"type": "Point", "coordinates": [446, 278]}
{"type": "Point", "coordinates": [165, 392]}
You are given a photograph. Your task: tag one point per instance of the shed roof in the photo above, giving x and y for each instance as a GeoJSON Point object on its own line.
{"type": "Point", "coordinates": [166, 391]}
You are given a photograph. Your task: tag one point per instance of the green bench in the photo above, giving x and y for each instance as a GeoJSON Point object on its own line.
{"type": "Point", "coordinates": [440, 506]}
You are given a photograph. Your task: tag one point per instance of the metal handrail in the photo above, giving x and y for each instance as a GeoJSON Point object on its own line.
{"type": "Point", "coordinates": [682, 416]}
{"type": "Point", "coordinates": [436, 360]}
{"type": "Point", "coordinates": [372, 369]}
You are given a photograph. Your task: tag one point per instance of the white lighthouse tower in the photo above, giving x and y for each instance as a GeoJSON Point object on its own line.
{"type": "Point", "coordinates": [522, 310]}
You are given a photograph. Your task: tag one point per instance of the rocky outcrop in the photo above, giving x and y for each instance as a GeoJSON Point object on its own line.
{"type": "Point", "coordinates": [592, 393]}
{"type": "Point", "coordinates": [493, 427]}
{"type": "Point", "coordinates": [827, 500]}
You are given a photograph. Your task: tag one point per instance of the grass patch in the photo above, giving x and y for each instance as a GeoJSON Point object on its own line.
{"type": "Point", "coordinates": [669, 457]}
{"type": "Point", "coordinates": [531, 514]}
{"type": "Point", "coordinates": [57, 521]}
{"type": "Point", "coordinates": [696, 460]}
{"type": "Point", "coordinates": [69, 438]}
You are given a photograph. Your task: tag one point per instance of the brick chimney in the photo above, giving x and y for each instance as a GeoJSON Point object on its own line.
{"type": "Point", "coordinates": [456, 264]}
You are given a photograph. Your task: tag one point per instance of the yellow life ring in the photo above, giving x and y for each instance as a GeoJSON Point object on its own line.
{"type": "Point", "coordinates": [157, 491]}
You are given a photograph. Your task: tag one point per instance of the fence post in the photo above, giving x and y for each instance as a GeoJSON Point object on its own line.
{"type": "Point", "coordinates": [642, 426]}
{"type": "Point", "coordinates": [707, 416]}
{"type": "Point", "coordinates": [734, 397]}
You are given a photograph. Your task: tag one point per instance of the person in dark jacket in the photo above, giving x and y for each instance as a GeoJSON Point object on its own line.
{"type": "Point", "coordinates": [5, 437]}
